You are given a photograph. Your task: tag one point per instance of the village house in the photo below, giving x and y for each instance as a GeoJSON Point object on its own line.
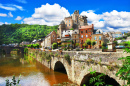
{"type": "Point", "coordinates": [43, 43]}
{"type": "Point", "coordinates": [50, 39]}
{"type": "Point", "coordinates": [75, 37]}
{"type": "Point", "coordinates": [85, 32]}
{"type": "Point", "coordinates": [98, 37]}
{"type": "Point", "coordinates": [39, 41]}
{"type": "Point", "coordinates": [24, 43]}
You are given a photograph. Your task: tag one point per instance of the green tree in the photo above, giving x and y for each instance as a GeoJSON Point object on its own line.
{"type": "Point", "coordinates": [77, 44]}
{"type": "Point", "coordinates": [54, 45]}
{"type": "Point", "coordinates": [84, 44]}
{"type": "Point", "coordinates": [72, 29]}
{"type": "Point", "coordinates": [124, 71]}
{"type": "Point", "coordinates": [93, 43]}
{"type": "Point", "coordinates": [88, 42]}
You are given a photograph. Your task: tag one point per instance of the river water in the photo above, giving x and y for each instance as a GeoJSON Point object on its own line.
{"type": "Point", "coordinates": [32, 72]}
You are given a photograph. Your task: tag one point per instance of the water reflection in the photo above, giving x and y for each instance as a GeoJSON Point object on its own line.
{"type": "Point", "coordinates": [32, 72]}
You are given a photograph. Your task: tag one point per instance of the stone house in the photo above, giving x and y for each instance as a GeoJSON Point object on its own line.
{"type": "Point", "coordinates": [50, 39]}
{"type": "Point", "coordinates": [85, 32]}
{"type": "Point", "coordinates": [98, 37]}
{"type": "Point", "coordinates": [24, 43]}
{"type": "Point", "coordinates": [75, 36]}
{"type": "Point", "coordinates": [43, 43]}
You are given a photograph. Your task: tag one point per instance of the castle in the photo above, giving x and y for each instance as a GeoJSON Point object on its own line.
{"type": "Point", "coordinates": [75, 21]}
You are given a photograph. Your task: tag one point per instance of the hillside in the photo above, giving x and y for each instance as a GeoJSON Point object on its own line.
{"type": "Point", "coordinates": [16, 33]}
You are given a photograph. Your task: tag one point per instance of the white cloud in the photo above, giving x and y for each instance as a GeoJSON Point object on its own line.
{"type": "Point", "coordinates": [1, 23]}
{"type": "Point", "coordinates": [10, 14]}
{"type": "Point", "coordinates": [48, 15]}
{"type": "Point", "coordinates": [107, 21]}
{"type": "Point", "coordinates": [91, 15]}
{"type": "Point", "coordinates": [7, 8]}
{"type": "Point", "coordinates": [19, 7]}
{"type": "Point", "coordinates": [22, 1]}
{"type": "Point", "coordinates": [18, 18]}
{"type": "Point", "coordinates": [11, 7]}
{"type": "Point", "coordinates": [3, 14]}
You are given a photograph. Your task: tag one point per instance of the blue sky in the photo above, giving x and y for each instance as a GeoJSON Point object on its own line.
{"type": "Point", "coordinates": [108, 15]}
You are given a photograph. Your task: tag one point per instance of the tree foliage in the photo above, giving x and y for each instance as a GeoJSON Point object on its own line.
{"type": "Point", "coordinates": [124, 71]}
{"type": "Point", "coordinates": [54, 45]}
{"type": "Point", "coordinates": [16, 33]}
{"type": "Point", "coordinates": [88, 42]}
{"type": "Point", "coordinates": [93, 43]}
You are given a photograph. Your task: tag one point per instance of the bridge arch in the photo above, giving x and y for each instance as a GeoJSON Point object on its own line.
{"type": "Point", "coordinates": [16, 48]}
{"type": "Point", "coordinates": [108, 80]}
{"type": "Point", "coordinates": [8, 49]}
{"type": "Point", "coordinates": [99, 69]}
{"type": "Point", "coordinates": [61, 65]}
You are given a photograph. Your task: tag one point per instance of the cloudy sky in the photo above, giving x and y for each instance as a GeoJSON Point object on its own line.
{"type": "Point", "coordinates": [108, 15]}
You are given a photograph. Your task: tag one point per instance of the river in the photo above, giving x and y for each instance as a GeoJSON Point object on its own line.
{"type": "Point", "coordinates": [32, 72]}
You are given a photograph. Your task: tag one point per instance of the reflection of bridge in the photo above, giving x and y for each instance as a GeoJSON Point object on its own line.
{"type": "Point", "coordinates": [78, 72]}
{"type": "Point", "coordinates": [8, 49]}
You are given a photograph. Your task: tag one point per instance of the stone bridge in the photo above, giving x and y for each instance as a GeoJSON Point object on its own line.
{"type": "Point", "coordinates": [8, 49]}
{"type": "Point", "coordinates": [78, 71]}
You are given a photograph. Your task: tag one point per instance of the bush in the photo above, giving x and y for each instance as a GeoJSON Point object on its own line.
{"type": "Point", "coordinates": [104, 47]}
{"type": "Point", "coordinates": [77, 44]}
{"type": "Point", "coordinates": [51, 54]}
{"type": "Point", "coordinates": [48, 57]}
{"type": "Point", "coordinates": [25, 45]}
{"type": "Point", "coordinates": [25, 50]}
{"type": "Point", "coordinates": [54, 45]}
{"type": "Point", "coordinates": [72, 29]}
{"type": "Point", "coordinates": [84, 48]}
{"type": "Point", "coordinates": [67, 57]}
{"type": "Point", "coordinates": [56, 54]}
{"type": "Point", "coordinates": [14, 81]}
{"type": "Point", "coordinates": [65, 49]}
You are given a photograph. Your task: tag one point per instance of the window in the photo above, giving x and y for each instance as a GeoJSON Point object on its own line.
{"type": "Point", "coordinates": [66, 21]}
{"type": "Point", "coordinates": [75, 36]}
{"type": "Point", "coordinates": [69, 24]}
{"type": "Point", "coordinates": [86, 36]}
{"type": "Point", "coordinates": [96, 42]}
{"type": "Point", "coordinates": [69, 20]}
{"type": "Point", "coordinates": [53, 39]}
{"type": "Point", "coordinates": [66, 25]}
{"type": "Point", "coordinates": [86, 31]}
{"type": "Point", "coordinates": [81, 36]}
{"type": "Point", "coordinates": [95, 38]}
{"type": "Point", "coordinates": [75, 41]}
{"type": "Point", "coordinates": [81, 31]}
{"type": "Point", "coordinates": [99, 37]}
{"type": "Point", "coordinates": [53, 36]}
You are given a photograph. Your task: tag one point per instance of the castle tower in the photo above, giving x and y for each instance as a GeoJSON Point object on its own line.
{"type": "Point", "coordinates": [60, 29]}
{"type": "Point", "coordinates": [75, 16]}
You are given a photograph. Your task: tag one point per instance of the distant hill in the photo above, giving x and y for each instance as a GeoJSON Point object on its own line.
{"type": "Point", "coordinates": [16, 33]}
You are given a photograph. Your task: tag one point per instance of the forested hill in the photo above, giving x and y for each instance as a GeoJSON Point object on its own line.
{"type": "Point", "coordinates": [16, 33]}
